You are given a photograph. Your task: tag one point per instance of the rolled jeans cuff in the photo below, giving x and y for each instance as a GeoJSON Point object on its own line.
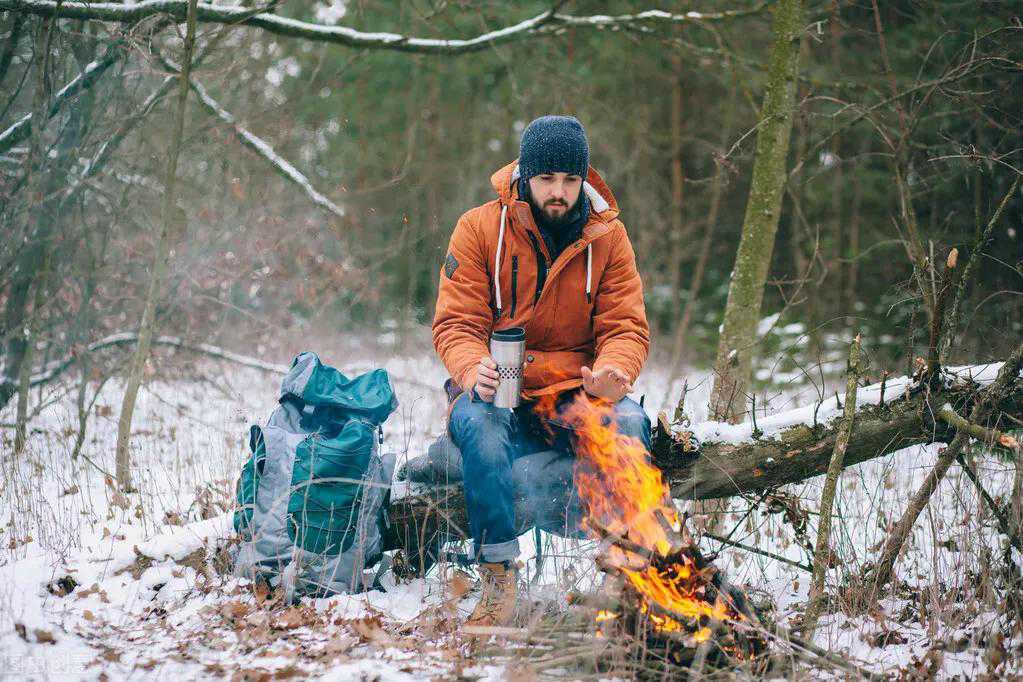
{"type": "Point", "coordinates": [500, 551]}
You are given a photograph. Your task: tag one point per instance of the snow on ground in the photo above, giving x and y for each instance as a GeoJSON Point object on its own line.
{"type": "Point", "coordinates": [146, 608]}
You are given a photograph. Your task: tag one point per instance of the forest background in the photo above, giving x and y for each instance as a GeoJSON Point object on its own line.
{"type": "Point", "coordinates": [397, 145]}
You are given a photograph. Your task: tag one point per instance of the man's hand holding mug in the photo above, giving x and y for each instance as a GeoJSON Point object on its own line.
{"type": "Point", "coordinates": [487, 379]}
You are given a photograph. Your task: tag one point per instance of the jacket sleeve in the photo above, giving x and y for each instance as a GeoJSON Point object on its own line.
{"type": "Point", "coordinates": [463, 318]}
{"type": "Point", "coordinates": [620, 329]}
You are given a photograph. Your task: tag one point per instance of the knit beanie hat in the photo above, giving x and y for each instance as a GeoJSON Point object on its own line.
{"type": "Point", "coordinates": [554, 144]}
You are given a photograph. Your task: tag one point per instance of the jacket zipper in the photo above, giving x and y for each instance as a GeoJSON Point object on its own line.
{"type": "Point", "coordinates": [541, 267]}
{"type": "Point", "coordinates": [515, 283]}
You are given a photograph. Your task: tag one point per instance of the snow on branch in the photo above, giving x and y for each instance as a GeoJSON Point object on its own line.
{"type": "Point", "coordinates": [545, 23]}
{"type": "Point", "coordinates": [20, 129]}
{"type": "Point", "coordinates": [53, 369]}
{"type": "Point", "coordinates": [261, 147]}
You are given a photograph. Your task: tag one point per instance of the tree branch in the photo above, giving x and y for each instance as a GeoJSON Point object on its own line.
{"type": "Point", "coordinates": [22, 128]}
{"type": "Point", "coordinates": [1005, 384]}
{"type": "Point", "coordinates": [281, 165]}
{"type": "Point", "coordinates": [545, 23]}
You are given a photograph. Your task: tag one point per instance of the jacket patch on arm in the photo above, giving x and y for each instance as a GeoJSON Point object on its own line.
{"type": "Point", "coordinates": [450, 265]}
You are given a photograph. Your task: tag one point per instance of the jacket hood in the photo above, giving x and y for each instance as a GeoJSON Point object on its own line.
{"type": "Point", "coordinates": [602, 201]}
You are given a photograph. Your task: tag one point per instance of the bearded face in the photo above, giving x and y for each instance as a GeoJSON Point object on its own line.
{"type": "Point", "coordinates": [555, 194]}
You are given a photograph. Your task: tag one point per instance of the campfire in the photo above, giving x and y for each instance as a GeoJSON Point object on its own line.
{"type": "Point", "coordinates": [658, 585]}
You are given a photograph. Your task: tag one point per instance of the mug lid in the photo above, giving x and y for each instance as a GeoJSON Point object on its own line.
{"type": "Point", "coordinates": [509, 334]}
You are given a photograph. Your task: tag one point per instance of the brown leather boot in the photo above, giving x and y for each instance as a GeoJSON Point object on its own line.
{"type": "Point", "coordinates": [496, 606]}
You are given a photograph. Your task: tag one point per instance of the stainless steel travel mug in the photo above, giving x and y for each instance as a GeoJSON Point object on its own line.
{"type": "Point", "coordinates": [508, 348]}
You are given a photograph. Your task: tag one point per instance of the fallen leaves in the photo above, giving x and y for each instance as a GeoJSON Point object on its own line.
{"type": "Point", "coordinates": [235, 610]}
{"type": "Point", "coordinates": [295, 617]}
{"type": "Point", "coordinates": [459, 585]}
{"type": "Point", "coordinates": [371, 630]}
{"type": "Point", "coordinates": [94, 589]}
{"type": "Point", "coordinates": [37, 636]}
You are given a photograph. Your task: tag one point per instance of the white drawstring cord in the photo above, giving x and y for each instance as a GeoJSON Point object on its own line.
{"type": "Point", "coordinates": [497, 259]}
{"type": "Point", "coordinates": [589, 269]}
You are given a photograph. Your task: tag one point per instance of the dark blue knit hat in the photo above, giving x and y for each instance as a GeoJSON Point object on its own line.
{"type": "Point", "coordinates": [554, 144]}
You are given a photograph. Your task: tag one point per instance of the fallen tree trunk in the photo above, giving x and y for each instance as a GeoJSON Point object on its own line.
{"type": "Point", "coordinates": [786, 448]}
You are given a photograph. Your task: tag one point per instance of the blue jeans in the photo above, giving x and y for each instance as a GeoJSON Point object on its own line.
{"type": "Point", "coordinates": [491, 439]}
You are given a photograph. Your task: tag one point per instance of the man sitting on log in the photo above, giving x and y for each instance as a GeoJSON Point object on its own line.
{"type": "Point", "coordinates": [549, 254]}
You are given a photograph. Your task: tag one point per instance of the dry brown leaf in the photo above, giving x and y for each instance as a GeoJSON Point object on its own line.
{"type": "Point", "coordinates": [44, 636]}
{"type": "Point", "coordinates": [370, 630]}
{"type": "Point", "coordinates": [82, 594]}
{"type": "Point", "coordinates": [289, 671]}
{"type": "Point", "coordinates": [88, 615]}
{"type": "Point", "coordinates": [1008, 441]}
{"type": "Point", "coordinates": [293, 617]}
{"type": "Point", "coordinates": [459, 585]}
{"type": "Point", "coordinates": [235, 610]}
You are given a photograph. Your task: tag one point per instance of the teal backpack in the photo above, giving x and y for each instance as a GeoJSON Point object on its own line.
{"type": "Point", "coordinates": [311, 498]}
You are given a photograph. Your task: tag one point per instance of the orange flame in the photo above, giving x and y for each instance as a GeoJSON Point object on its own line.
{"type": "Point", "coordinates": [624, 493]}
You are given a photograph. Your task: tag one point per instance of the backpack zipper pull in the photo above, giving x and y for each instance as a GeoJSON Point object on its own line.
{"type": "Point", "coordinates": [380, 435]}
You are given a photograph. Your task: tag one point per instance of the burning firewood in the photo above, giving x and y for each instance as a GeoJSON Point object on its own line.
{"type": "Point", "coordinates": [665, 593]}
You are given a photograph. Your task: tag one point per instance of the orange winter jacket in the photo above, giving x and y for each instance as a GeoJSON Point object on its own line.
{"type": "Point", "coordinates": [589, 310]}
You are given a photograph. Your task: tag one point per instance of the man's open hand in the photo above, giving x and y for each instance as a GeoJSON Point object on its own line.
{"type": "Point", "coordinates": [609, 383]}
{"type": "Point", "coordinates": [487, 379]}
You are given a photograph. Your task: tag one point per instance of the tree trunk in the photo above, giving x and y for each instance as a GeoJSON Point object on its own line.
{"type": "Point", "coordinates": [169, 227]}
{"type": "Point", "coordinates": [696, 280]}
{"type": "Point", "coordinates": [746, 292]}
{"type": "Point", "coordinates": [678, 183]}
{"type": "Point", "coordinates": [36, 263]}
{"type": "Point", "coordinates": [822, 548]}
{"type": "Point", "coordinates": [852, 245]}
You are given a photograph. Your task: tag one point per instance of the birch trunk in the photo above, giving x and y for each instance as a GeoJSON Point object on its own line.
{"type": "Point", "coordinates": [169, 220]}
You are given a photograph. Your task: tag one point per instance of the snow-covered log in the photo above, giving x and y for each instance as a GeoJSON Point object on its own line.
{"type": "Point", "coordinates": [788, 447]}
{"type": "Point", "coordinates": [795, 445]}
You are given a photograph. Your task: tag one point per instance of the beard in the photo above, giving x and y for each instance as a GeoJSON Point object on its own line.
{"type": "Point", "coordinates": [564, 217]}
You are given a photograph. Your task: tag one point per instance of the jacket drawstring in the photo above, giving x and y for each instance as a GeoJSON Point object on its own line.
{"type": "Point", "coordinates": [497, 258]}
{"type": "Point", "coordinates": [589, 270]}
{"type": "Point", "coordinates": [497, 263]}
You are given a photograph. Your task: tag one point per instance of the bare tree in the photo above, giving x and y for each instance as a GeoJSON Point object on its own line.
{"type": "Point", "coordinates": [733, 364]}
{"type": "Point", "coordinates": [172, 220]}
